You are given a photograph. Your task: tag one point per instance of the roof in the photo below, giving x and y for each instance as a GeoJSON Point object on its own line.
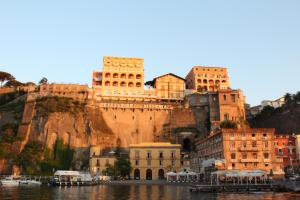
{"type": "Point", "coordinates": [169, 74]}
{"type": "Point", "coordinates": [155, 144]}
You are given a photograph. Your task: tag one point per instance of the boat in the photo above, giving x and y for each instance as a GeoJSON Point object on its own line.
{"type": "Point", "coordinates": [10, 181]}
{"type": "Point", "coordinates": [30, 182]}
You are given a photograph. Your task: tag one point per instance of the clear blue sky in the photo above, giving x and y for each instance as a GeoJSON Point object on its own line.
{"type": "Point", "coordinates": [258, 40]}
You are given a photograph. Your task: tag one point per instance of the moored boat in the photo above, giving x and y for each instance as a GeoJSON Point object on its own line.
{"type": "Point", "coordinates": [10, 181]}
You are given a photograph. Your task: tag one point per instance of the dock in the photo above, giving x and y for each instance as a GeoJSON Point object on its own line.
{"type": "Point", "coordinates": [235, 188]}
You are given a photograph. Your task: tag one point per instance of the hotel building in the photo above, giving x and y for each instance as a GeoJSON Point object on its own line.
{"type": "Point", "coordinates": [237, 149]}
{"type": "Point", "coordinates": [202, 78]}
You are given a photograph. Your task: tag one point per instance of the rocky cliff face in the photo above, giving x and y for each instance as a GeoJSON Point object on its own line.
{"type": "Point", "coordinates": [80, 125]}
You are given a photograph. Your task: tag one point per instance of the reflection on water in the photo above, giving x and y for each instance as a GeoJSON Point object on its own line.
{"type": "Point", "coordinates": [131, 192]}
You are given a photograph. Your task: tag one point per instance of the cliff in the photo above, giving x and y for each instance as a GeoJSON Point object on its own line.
{"type": "Point", "coordinates": [42, 124]}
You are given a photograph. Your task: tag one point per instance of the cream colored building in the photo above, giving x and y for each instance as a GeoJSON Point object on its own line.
{"type": "Point", "coordinates": [169, 86]}
{"type": "Point", "coordinates": [203, 78]}
{"type": "Point", "coordinates": [151, 161]}
{"type": "Point", "coordinates": [99, 162]}
{"type": "Point", "coordinates": [120, 77]}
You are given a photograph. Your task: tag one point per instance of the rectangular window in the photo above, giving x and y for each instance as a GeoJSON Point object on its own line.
{"type": "Point", "coordinates": [136, 162]}
{"type": "Point", "coordinates": [161, 155]}
{"type": "Point", "coordinates": [244, 156]}
{"type": "Point", "coordinates": [254, 144]}
{"type": "Point", "coordinates": [266, 155]}
{"type": "Point", "coordinates": [148, 154]}
{"type": "Point", "coordinates": [149, 162]}
{"type": "Point", "coordinates": [160, 163]}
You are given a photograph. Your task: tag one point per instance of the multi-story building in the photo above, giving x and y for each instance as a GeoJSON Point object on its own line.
{"type": "Point", "coordinates": [169, 86]}
{"type": "Point", "coordinates": [100, 161]}
{"type": "Point", "coordinates": [285, 148]}
{"type": "Point", "coordinates": [151, 161]}
{"type": "Point", "coordinates": [218, 106]}
{"type": "Point", "coordinates": [237, 149]}
{"type": "Point", "coordinates": [120, 77]}
{"type": "Point", "coordinates": [203, 78]}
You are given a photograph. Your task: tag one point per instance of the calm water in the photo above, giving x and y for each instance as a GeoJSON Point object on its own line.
{"type": "Point", "coordinates": [132, 192]}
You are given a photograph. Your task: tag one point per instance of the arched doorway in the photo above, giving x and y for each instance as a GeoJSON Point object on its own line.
{"type": "Point", "coordinates": [149, 174]}
{"type": "Point", "coordinates": [161, 174]}
{"type": "Point", "coordinates": [136, 174]}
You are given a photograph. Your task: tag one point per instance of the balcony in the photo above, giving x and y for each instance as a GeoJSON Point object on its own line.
{"type": "Point", "coordinates": [248, 148]}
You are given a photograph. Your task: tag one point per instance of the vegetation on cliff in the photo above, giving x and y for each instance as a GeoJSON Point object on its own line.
{"type": "Point", "coordinates": [47, 105]}
{"type": "Point", "coordinates": [38, 159]}
{"type": "Point", "coordinates": [285, 119]}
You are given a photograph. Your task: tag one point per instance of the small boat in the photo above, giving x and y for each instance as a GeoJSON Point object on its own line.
{"type": "Point", "coordinates": [30, 182]}
{"type": "Point", "coordinates": [68, 178]}
{"type": "Point", "coordinates": [10, 181]}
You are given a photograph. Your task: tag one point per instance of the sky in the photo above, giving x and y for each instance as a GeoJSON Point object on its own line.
{"type": "Point", "coordinates": [65, 40]}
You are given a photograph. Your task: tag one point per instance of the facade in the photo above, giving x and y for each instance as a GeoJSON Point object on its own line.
{"type": "Point", "coordinates": [120, 77]}
{"type": "Point", "coordinates": [151, 161]}
{"type": "Point", "coordinates": [99, 161]}
{"type": "Point", "coordinates": [237, 149]}
{"type": "Point", "coordinates": [285, 148]}
{"type": "Point", "coordinates": [202, 78]}
{"type": "Point", "coordinates": [298, 146]}
{"type": "Point", "coordinates": [75, 91]}
{"type": "Point", "coordinates": [169, 86]}
{"type": "Point", "coordinates": [218, 106]}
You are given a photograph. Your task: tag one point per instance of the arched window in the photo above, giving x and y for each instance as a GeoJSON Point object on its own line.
{"type": "Point", "coordinates": [217, 82]}
{"type": "Point", "coordinates": [115, 83]}
{"type": "Point", "coordinates": [211, 88]}
{"type": "Point", "coordinates": [138, 76]}
{"type": "Point", "coordinates": [161, 174]}
{"type": "Point", "coordinates": [130, 84]}
{"type": "Point", "coordinates": [199, 81]}
{"type": "Point", "coordinates": [211, 82]}
{"type": "Point", "coordinates": [130, 76]}
{"type": "Point", "coordinates": [223, 81]}
{"type": "Point", "coordinates": [138, 84]}
{"type": "Point", "coordinates": [136, 174]}
{"type": "Point", "coordinates": [205, 81]}
{"type": "Point", "coordinates": [107, 75]}
{"type": "Point", "coordinates": [123, 84]}
{"type": "Point", "coordinates": [123, 75]}
{"type": "Point", "coordinates": [115, 75]}
{"type": "Point", "coordinates": [149, 174]}
{"type": "Point", "coordinates": [205, 88]}
{"type": "Point", "coordinates": [107, 83]}
{"type": "Point", "coordinates": [224, 97]}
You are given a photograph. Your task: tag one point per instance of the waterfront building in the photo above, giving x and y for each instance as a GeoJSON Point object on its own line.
{"type": "Point", "coordinates": [151, 161]}
{"type": "Point", "coordinates": [100, 160]}
{"type": "Point", "coordinates": [202, 78]}
{"type": "Point", "coordinates": [285, 148]}
{"type": "Point", "coordinates": [237, 149]}
{"type": "Point", "coordinates": [273, 103]}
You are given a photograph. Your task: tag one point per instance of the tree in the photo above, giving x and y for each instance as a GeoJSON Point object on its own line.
{"type": "Point", "coordinates": [122, 167]}
{"type": "Point", "coordinates": [4, 77]}
{"type": "Point", "coordinates": [13, 83]}
{"type": "Point", "coordinates": [287, 99]}
{"type": "Point", "coordinates": [44, 80]}
{"type": "Point", "coordinates": [228, 124]}
{"type": "Point", "coordinates": [149, 83]}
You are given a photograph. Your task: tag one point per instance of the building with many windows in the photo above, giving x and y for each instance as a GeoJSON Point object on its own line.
{"type": "Point", "coordinates": [237, 149]}
{"type": "Point", "coordinates": [285, 148]}
{"type": "Point", "coordinates": [120, 77]}
{"type": "Point", "coordinates": [203, 78]}
{"type": "Point", "coordinates": [151, 161]}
